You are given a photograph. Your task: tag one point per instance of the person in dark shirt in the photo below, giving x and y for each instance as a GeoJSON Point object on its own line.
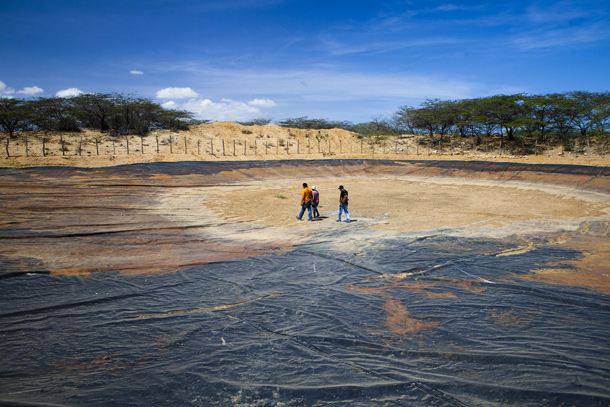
{"type": "Point", "coordinates": [315, 201]}
{"type": "Point", "coordinates": [343, 200]}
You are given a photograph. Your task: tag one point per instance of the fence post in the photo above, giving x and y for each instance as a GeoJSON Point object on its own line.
{"type": "Point", "coordinates": [361, 143]}
{"type": "Point", "coordinates": [80, 146]}
{"type": "Point", "coordinates": [97, 150]}
{"type": "Point", "coordinates": [255, 147]}
{"type": "Point", "coordinates": [266, 147]}
{"type": "Point", "coordinates": [171, 147]}
{"type": "Point", "coordinates": [61, 139]}
{"type": "Point", "coordinates": [185, 150]}
{"type": "Point", "coordinates": [113, 148]}
{"type": "Point", "coordinates": [308, 145]}
{"type": "Point", "coordinates": [246, 145]}
{"type": "Point", "coordinates": [223, 146]}
{"type": "Point", "coordinates": [233, 147]}
{"type": "Point", "coordinates": [198, 145]}
{"type": "Point", "coordinates": [43, 152]}
{"type": "Point", "coordinates": [298, 146]}
{"type": "Point", "coordinates": [157, 138]}
{"type": "Point", "coordinates": [26, 146]}
{"type": "Point", "coordinates": [127, 140]}
{"type": "Point", "coordinates": [7, 141]}
{"type": "Point", "coordinates": [142, 144]}
{"type": "Point", "coordinates": [211, 146]}
{"type": "Point", "coordinates": [328, 145]}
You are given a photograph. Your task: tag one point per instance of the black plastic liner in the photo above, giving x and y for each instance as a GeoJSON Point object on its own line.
{"type": "Point", "coordinates": [433, 321]}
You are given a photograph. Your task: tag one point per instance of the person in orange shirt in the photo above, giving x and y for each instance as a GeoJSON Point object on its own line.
{"type": "Point", "coordinates": [307, 197]}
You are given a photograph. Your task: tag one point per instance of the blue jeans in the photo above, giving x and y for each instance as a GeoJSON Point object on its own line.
{"type": "Point", "coordinates": [306, 205]}
{"type": "Point", "coordinates": [343, 207]}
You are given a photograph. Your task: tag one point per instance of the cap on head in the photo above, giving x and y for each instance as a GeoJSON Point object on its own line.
{"type": "Point", "coordinates": [314, 187]}
{"type": "Point", "coordinates": [305, 184]}
{"type": "Point", "coordinates": [340, 186]}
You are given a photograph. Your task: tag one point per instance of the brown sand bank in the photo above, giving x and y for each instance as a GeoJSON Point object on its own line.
{"type": "Point", "coordinates": [229, 141]}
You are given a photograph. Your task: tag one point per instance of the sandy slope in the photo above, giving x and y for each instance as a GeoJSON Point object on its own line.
{"type": "Point", "coordinates": [228, 141]}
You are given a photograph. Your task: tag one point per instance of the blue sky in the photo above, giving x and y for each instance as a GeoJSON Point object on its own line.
{"type": "Point", "coordinates": [278, 59]}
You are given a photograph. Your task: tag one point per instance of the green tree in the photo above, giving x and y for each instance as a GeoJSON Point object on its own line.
{"type": "Point", "coordinates": [94, 110]}
{"type": "Point", "coordinates": [14, 116]}
{"type": "Point", "coordinates": [587, 109]}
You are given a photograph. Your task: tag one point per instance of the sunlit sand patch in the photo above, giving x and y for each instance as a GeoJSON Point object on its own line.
{"type": "Point", "coordinates": [591, 269]}
{"type": "Point", "coordinates": [394, 204]}
{"type": "Point", "coordinates": [398, 319]}
{"type": "Point", "coordinates": [516, 251]}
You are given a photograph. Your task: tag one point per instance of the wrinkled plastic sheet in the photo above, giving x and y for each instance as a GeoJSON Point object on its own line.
{"type": "Point", "coordinates": [426, 321]}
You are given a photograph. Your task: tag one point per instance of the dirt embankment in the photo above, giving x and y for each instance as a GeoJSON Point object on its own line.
{"type": "Point", "coordinates": [230, 141]}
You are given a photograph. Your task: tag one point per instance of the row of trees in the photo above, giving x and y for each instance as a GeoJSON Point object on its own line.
{"type": "Point", "coordinates": [113, 113]}
{"type": "Point", "coordinates": [557, 117]}
{"type": "Point", "coordinates": [552, 117]}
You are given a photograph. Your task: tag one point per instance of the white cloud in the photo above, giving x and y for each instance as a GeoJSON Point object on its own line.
{"type": "Point", "coordinates": [227, 109]}
{"type": "Point", "coordinates": [5, 91]}
{"type": "Point", "coordinates": [262, 103]}
{"type": "Point", "coordinates": [136, 72]}
{"type": "Point", "coordinates": [169, 105]}
{"type": "Point", "coordinates": [68, 93]}
{"type": "Point", "coordinates": [31, 90]}
{"type": "Point", "coordinates": [176, 93]}
{"type": "Point", "coordinates": [327, 91]}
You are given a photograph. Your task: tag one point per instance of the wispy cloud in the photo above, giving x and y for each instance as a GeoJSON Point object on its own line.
{"type": "Point", "coordinates": [332, 84]}
{"type": "Point", "coordinates": [294, 93]}
{"type": "Point", "coordinates": [136, 72]}
{"type": "Point", "coordinates": [563, 37]}
{"type": "Point", "coordinates": [372, 47]}
{"type": "Point", "coordinates": [562, 25]}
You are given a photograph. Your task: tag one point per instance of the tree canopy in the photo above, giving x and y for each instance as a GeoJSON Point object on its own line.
{"type": "Point", "coordinates": [544, 117]}
{"type": "Point", "coordinates": [114, 113]}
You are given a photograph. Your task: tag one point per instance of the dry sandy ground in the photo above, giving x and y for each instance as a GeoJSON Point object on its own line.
{"type": "Point", "coordinates": [410, 204]}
